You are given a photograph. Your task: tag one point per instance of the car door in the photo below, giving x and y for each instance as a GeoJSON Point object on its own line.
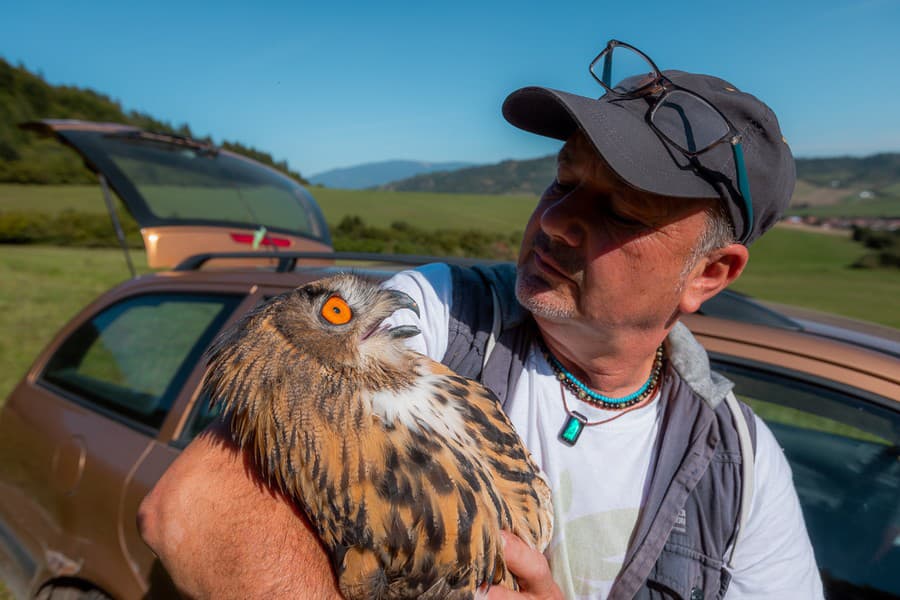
{"type": "Point", "coordinates": [189, 416]}
{"type": "Point", "coordinates": [843, 445]}
{"type": "Point", "coordinates": [90, 412]}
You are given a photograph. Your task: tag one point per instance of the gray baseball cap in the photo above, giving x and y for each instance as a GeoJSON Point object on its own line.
{"type": "Point", "coordinates": [619, 128]}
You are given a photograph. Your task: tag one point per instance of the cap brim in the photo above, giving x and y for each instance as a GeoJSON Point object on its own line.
{"type": "Point", "coordinates": [621, 135]}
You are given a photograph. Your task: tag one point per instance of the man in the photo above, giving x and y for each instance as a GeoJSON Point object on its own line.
{"type": "Point", "coordinates": [663, 487]}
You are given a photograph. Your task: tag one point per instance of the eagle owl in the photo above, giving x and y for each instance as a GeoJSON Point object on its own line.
{"type": "Point", "coordinates": [406, 470]}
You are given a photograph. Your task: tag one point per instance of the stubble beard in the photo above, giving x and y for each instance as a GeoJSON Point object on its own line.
{"type": "Point", "coordinates": [538, 295]}
{"type": "Point", "coordinates": [527, 293]}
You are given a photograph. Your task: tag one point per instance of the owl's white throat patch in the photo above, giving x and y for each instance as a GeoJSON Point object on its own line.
{"type": "Point", "coordinates": [418, 408]}
{"type": "Point", "coordinates": [381, 348]}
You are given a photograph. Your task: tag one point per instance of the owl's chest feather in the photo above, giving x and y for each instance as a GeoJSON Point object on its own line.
{"type": "Point", "coordinates": [424, 407]}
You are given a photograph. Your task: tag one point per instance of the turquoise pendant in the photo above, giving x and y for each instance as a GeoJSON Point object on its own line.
{"type": "Point", "coordinates": [571, 431]}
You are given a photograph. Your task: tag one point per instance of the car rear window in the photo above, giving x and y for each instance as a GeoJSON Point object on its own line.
{"type": "Point", "coordinates": [188, 184]}
{"type": "Point", "coordinates": [132, 358]}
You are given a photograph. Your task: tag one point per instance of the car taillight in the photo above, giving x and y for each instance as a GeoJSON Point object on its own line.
{"type": "Point", "coordinates": [247, 238]}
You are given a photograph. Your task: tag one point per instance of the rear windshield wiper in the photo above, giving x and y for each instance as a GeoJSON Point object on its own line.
{"type": "Point", "coordinates": [169, 138]}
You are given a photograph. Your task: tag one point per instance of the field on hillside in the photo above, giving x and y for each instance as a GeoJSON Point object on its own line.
{"type": "Point", "coordinates": [491, 213]}
{"type": "Point", "coordinates": [814, 195]}
{"type": "Point", "coordinates": [494, 214]}
{"type": "Point", "coordinates": [44, 287]}
{"type": "Point", "coordinates": [812, 270]}
{"type": "Point", "coordinates": [855, 207]}
{"type": "Point", "coordinates": [820, 201]}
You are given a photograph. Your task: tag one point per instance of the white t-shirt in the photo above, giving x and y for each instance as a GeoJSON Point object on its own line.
{"type": "Point", "coordinates": [599, 483]}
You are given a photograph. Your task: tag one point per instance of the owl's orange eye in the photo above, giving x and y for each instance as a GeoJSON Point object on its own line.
{"type": "Point", "coordinates": [336, 311]}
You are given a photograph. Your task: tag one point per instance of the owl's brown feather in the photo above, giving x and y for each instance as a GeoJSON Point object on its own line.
{"type": "Point", "coordinates": [406, 470]}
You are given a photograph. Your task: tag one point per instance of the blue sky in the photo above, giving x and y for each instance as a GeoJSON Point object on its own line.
{"type": "Point", "coordinates": [330, 84]}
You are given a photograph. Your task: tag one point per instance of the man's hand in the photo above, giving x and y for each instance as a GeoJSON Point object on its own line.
{"type": "Point", "coordinates": [221, 533]}
{"type": "Point", "coordinates": [531, 570]}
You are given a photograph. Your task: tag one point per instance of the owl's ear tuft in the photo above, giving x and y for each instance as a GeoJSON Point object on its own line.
{"type": "Point", "coordinates": [336, 311]}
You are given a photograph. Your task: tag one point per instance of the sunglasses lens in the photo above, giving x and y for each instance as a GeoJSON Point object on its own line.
{"type": "Point", "coordinates": [689, 121]}
{"type": "Point", "coordinates": [625, 68]}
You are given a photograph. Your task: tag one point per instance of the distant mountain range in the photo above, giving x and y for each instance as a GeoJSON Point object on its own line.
{"type": "Point", "coordinates": [379, 173]}
{"type": "Point", "coordinates": [821, 181]}
{"type": "Point", "coordinates": [877, 170]}
{"type": "Point", "coordinates": [507, 177]}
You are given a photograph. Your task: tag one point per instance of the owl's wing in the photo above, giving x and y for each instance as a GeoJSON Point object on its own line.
{"type": "Point", "coordinates": [410, 496]}
{"type": "Point", "coordinates": [516, 476]}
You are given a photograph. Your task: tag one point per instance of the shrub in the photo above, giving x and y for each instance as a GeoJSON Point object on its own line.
{"type": "Point", "coordinates": [67, 228]}
{"type": "Point", "coordinates": [886, 245]}
{"type": "Point", "coordinates": [353, 235]}
{"type": "Point", "coordinates": [73, 228]}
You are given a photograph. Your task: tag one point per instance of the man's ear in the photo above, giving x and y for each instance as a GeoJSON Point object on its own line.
{"type": "Point", "coordinates": [712, 274]}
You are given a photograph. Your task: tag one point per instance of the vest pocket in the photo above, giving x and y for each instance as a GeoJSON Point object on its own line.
{"type": "Point", "coordinates": [683, 573]}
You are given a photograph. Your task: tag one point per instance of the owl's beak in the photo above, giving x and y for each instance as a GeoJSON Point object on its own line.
{"type": "Point", "coordinates": [404, 331]}
{"type": "Point", "coordinates": [401, 300]}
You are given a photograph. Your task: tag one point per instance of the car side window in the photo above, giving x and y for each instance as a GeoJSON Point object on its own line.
{"type": "Point", "coordinates": [131, 359]}
{"type": "Point", "coordinates": [844, 450]}
{"type": "Point", "coordinates": [204, 411]}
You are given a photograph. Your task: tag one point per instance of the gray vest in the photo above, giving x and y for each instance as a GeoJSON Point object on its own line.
{"type": "Point", "coordinates": [697, 496]}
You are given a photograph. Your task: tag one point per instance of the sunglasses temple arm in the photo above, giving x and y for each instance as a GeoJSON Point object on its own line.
{"type": "Point", "coordinates": [743, 186]}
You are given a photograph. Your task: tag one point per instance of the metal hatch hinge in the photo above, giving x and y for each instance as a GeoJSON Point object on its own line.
{"type": "Point", "coordinates": [117, 225]}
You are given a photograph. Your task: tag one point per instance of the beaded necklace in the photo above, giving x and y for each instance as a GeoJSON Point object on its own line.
{"type": "Point", "coordinates": [575, 421]}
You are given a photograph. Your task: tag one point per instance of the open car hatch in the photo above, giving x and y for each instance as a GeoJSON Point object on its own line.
{"type": "Point", "coordinates": [189, 196]}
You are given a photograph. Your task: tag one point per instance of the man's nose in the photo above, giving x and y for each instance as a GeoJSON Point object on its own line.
{"type": "Point", "coordinates": [563, 219]}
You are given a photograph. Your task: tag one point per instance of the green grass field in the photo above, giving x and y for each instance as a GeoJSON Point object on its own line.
{"type": "Point", "coordinates": [495, 214]}
{"type": "Point", "coordinates": [811, 270]}
{"type": "Point", "coordinates": [487, 212]}
{"type": "Point", "coordinates": [874, 207]}
{"type": "Point", "coordinates": [44, 287]}
{"type": "Point", "coordinates": [820, 201]}
{"type": "Point", "coordinates": [52, 198]}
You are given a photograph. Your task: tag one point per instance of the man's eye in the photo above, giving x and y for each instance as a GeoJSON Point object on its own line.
{"type": "Point", "coordinates": [624, 221]}
{"type": "Point", "coordinates": [560, 189]}
{"type": "Point", "coordinates": [627, 221]}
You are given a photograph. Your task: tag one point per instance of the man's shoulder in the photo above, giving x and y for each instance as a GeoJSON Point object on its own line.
{"type": "Point", "coordinates": [435, 274]}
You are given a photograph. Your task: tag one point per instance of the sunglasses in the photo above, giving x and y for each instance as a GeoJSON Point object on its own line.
{"type": "Point", "coordinates": [684, 119]}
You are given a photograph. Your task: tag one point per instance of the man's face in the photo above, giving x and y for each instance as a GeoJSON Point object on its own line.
{"type": "Point", "coordinates": [602, 252]}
